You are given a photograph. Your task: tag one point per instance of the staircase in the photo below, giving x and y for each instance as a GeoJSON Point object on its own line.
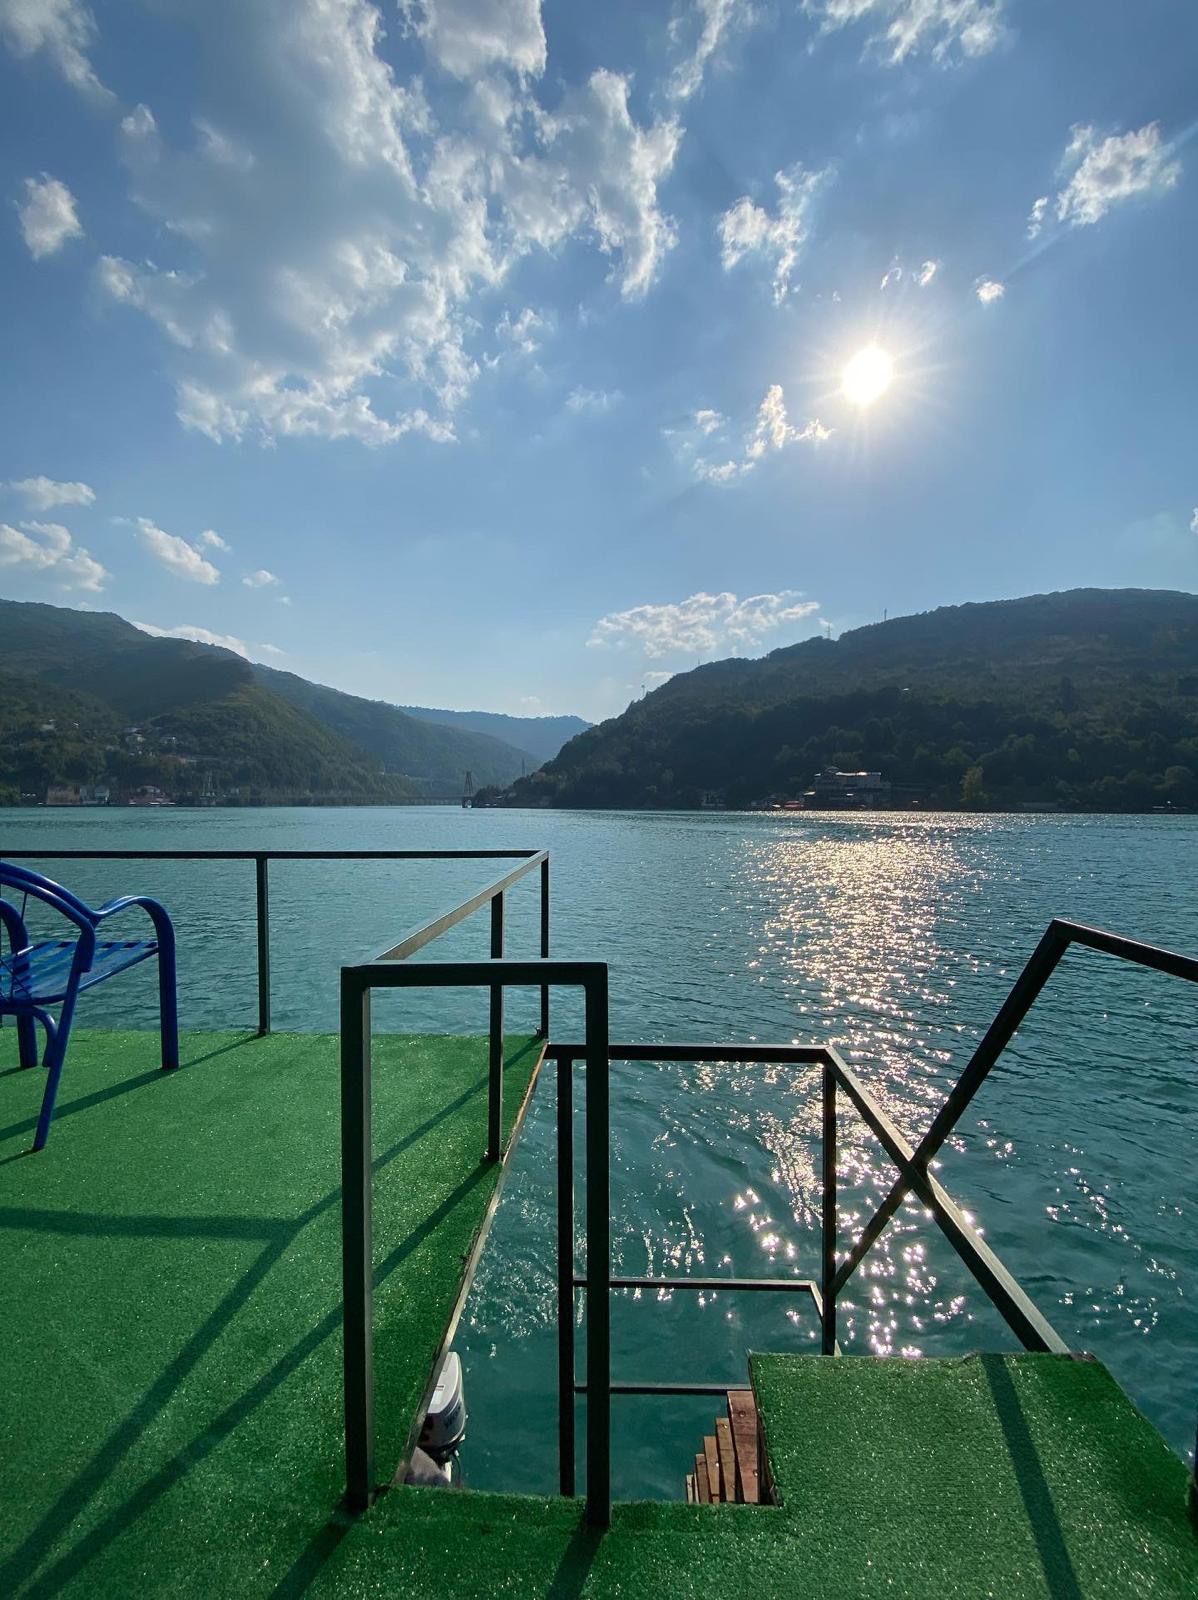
{"type": "Point", "coordinates": [726, 1469]}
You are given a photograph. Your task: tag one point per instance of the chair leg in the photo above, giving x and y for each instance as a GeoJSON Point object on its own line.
{"type": "Point", "coordinates": [27, 1040]}
{"type": "Point", "coordinates": [56, 1052]}
{"type": "Point", "coordinates": [168, 1000]}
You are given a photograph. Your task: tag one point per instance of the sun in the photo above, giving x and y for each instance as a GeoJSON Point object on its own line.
{"type": "Point", "coordinates": [867, 376]}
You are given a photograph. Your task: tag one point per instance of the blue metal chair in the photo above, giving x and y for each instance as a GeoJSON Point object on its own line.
{"type": "Point", "coordinates": [34, 977]}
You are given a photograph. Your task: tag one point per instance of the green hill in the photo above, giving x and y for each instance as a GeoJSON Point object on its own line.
{"type": "Point", "coordinates": [433, 754]}
{"type": "Point", "coordinates": [86, 699]}
{"type": "Point", "coordinates": [1087, 699]}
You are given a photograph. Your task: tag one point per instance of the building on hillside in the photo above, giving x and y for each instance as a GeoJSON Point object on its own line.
{"type": "Point", "coordinates": [847, 791]}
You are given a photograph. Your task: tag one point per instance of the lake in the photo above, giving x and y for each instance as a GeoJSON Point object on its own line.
{"type": "Point", "coordinates": [896, 937]}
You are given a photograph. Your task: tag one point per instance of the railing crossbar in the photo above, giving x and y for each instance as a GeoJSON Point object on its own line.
{"type": "Point", "coordinates": [1041, 964]}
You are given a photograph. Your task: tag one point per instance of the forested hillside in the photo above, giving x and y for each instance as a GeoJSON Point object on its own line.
{"type": "Point", "coordinates": [88, 701]}
{"type": "Point", "coordinates": [1086, 699]}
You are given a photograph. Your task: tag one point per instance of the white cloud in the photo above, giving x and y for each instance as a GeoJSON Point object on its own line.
{"type": "Point", "coordinates": [1035, 219]}
{"type": "Point", "coordinates": [176, 555]}
{"type": "Point", "coordinates": [226, 641]}
{"type": "Point", "coordinates": [64, 29]}
{"type": "Point", "coordinates": [943, 29]}
{"type": "Point", "coordinates": [772, 430]}
{"type": "Point", "coordinates": [341, 305]}
{"type": "Point", "coordinates": [48, 217]}
{"type": "Point", "coordinates": [211, 540]}
{"type": "Point", "coordinates": [467, 37]}
{"type": "Point", "coordinates": [532, 703]}
{"type": "Point", "coordinates": [1194, 521]}
{"type": "Point", "coordinates": [892, 274]}
{"type": "Point", "coordinates": [716, 19]}
{"type": "Point", "coordinates": [43, 493]}
{"type": "Point", "coordinates": [988, 291]}
{"type": "Point", "coordinates": [1104, 172]}
{"type": "Point", "coordinates": [709, 421]}
{"type": "Point", "coordinates": [926, 273]}
{"type": "Point", "coordinates": [270, 650]}
{"type": "Point", "coordinates": [592, 399]}
{"type": "Point", "coordinates": [523, 332]}
{"type": "Point", "coordinates": [48, 547]}
{"type": "Point", "coordinates": [260, 579]}
{"type": "Point", "coordinates": [655, 679]}
{"type": "Point", "coordinates": [748, 229]}
{"type": "Point", "coordinates": [702, 623]}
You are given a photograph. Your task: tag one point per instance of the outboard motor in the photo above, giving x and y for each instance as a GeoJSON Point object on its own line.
{"type": "Point", "coordinates": [434, 1459]}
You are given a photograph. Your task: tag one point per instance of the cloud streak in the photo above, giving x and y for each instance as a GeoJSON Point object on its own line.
{"type": "Point", "coordinates": [701, 624]}
{"type": "Point", "coordinates": [47, 216]}
{"type": "Point", "coordinates": [48, 547]}
{"type": "Point", "coordinates": [746, 229]}
{"type": "Point", "coordinates": [181, 559]}
{"type": "Point", "coordinates": [41, 494]}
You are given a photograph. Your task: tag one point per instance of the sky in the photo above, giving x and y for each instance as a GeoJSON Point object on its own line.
{"type": "Point", "coordinates": [514, 355]}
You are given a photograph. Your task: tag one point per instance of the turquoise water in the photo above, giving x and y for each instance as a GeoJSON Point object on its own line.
{"type": "Point", "coordinates": [895, 937]}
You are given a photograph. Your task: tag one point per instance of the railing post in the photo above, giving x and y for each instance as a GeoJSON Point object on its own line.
{"type": "Point", "coordinates": [495, 1084]}
{"type": "Point", "coordinates": [545, 945]}
{"type": "Point", "coordinates": [565, 1274]}
{"type": "Point", "coordinates": [356, 1257]}
{"type": "Point", "coordinates": [598, 1233]}
{"type": "Point", "coordinates": [263, 899]}
{"type": "Point", "coordinates": [828, 1272]}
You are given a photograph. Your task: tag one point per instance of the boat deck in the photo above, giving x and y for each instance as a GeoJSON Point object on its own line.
{"type": "Point", "coordinates": [170, 1366]}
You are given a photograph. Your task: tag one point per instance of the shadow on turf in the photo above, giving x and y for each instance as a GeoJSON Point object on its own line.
{"type": "Point", "coordinates": [113, 1092]}
{"type": "Point", "coordinates": [41, 1540]}
{"type": "Point", "coordinates": [1059, 1575]}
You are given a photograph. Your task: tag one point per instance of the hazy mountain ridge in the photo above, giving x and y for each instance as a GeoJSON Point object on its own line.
{"type": "Point", "coordinates": [541, 736]}
{"type": "Point", "coordinates": [1086, 699]}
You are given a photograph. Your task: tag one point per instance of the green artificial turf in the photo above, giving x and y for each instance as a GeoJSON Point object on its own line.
{"type": "Point", "coordinates": [170, 1374]}
{"type": "Point", "coordinates": [170, 1347]}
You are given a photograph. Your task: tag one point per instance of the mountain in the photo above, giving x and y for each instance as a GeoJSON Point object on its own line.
{"type": "Point", "coordinates": [1086, 699]}
{"type": "Point", "coordinates": [542, 737]}
{"type": "Point", "coordinates": [405, 744]}
{"type": "Point", "coordinates": [88, 699]}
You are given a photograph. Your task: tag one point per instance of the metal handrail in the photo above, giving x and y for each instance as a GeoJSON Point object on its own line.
{"type": "Point", "coordinates": [357, 985]}
{"type": "Point", "coordinates": [1029, 1324]}
{"type": "Point", "coordinates": [1041, 964]}
{"type": "Point", "coordinates": [262, 858]}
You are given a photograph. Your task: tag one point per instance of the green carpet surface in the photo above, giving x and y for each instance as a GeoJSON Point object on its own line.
{"type": "Point", "coordinates": [170, 1331]}
{"type": "Point", "coordinates": [170, 1373]}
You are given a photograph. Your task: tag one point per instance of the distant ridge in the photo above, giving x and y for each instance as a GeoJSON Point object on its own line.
{"type": "Point", "coordinates": [1086, 699]}
{"type": "Point", "coordinates": [542, 737]}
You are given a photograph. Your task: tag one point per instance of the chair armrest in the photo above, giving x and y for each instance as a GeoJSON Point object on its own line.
{"type": "Point", "coordinates": [158, 913]}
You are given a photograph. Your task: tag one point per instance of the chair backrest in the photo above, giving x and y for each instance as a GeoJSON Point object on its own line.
{"type": "Point", "coordinates": [25, 882]}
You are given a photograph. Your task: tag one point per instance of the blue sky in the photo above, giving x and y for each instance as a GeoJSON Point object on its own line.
{"type": "Point", "coordinates": [487, 353]}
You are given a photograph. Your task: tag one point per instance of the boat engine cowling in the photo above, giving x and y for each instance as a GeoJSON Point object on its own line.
{"type": "Point", "coordinates": [445, 1421]}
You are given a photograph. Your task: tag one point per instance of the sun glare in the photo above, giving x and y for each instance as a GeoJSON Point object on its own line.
{"type": "Point", "coordinates": [867, 376]}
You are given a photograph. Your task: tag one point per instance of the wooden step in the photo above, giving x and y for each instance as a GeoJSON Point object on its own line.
{"type": "Point", "coordinates": [711, 1457]}
{"type": "Point", "coordinates": [742, 1416]}
{"type": "Point", "coordinates": [723, 1444]}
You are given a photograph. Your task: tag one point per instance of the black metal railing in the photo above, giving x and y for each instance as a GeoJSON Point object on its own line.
{"type": "Point", "coordinates": [1042, 963]}
{"type": "Point", "coordinates": [262, 859]}
{"type": "Point", "coordinates": [1026, 1321]}
{"type": "Point", "coordinates": [358, 984]}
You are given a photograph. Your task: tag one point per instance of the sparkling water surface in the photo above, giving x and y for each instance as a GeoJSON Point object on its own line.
{"type": "Point", "coordinates": [896, 937]}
